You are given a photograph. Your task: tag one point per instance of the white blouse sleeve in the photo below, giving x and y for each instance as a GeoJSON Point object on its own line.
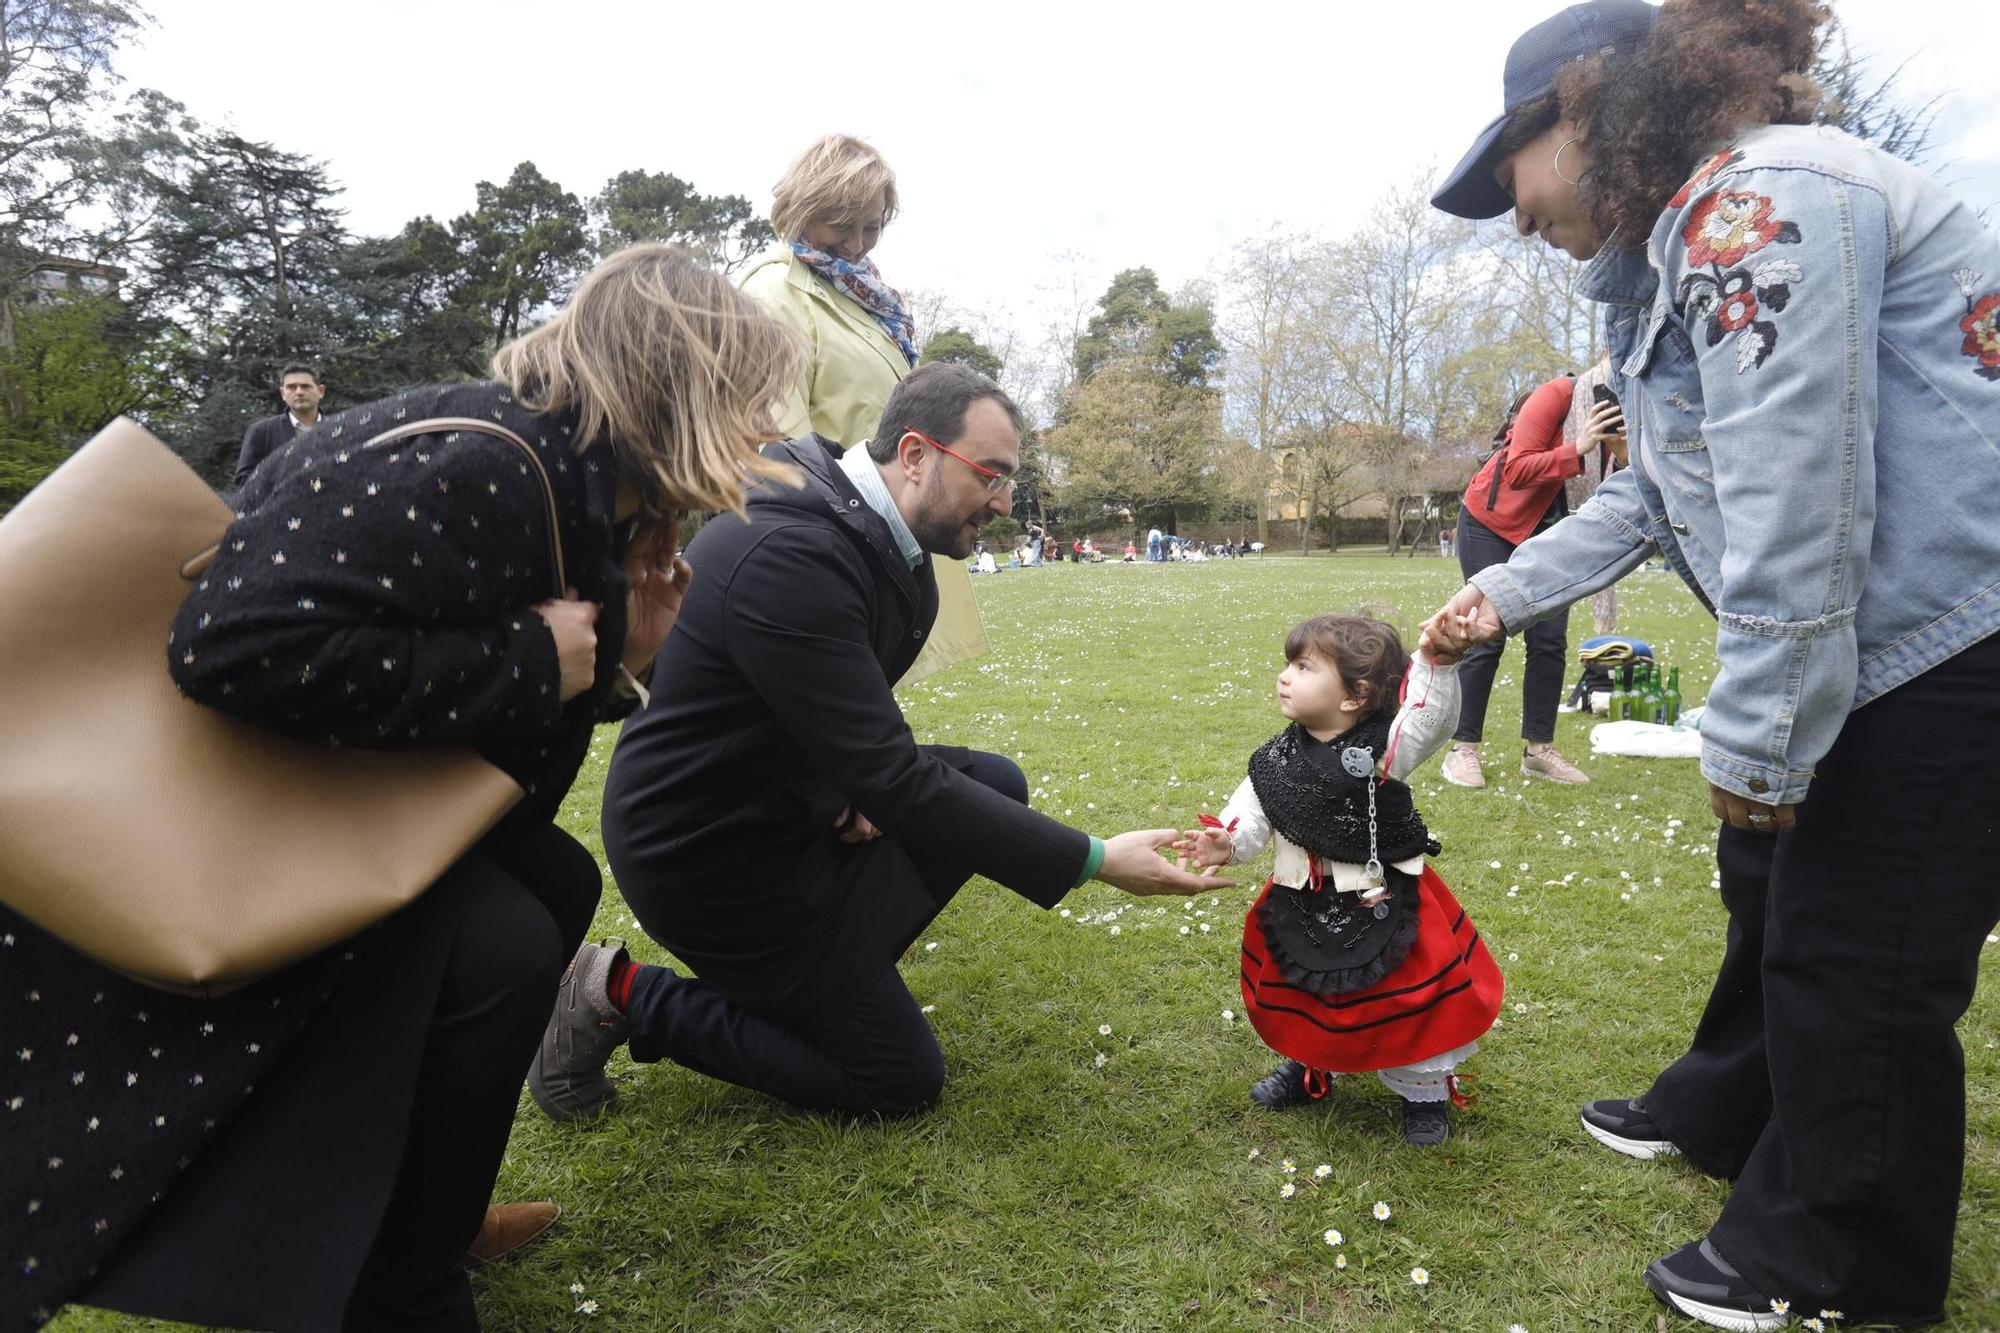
{"type": "Point", "coordinates": [1252, 827]}
{"type": "Point", "coordinates": [1427, 718]}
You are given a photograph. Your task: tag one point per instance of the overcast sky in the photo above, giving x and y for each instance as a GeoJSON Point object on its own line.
{"type": "Point", "coordinates": [1021, 133]}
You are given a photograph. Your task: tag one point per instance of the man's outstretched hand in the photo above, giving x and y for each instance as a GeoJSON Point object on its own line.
{"type": "Point", "coordinates": [1132, 862]}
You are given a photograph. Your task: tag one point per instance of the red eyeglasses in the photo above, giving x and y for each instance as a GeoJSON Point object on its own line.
{"type": "Point", "coordinates": [995, 481]}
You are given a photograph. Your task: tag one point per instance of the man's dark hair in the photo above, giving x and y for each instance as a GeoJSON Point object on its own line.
{"type": "Point", "coordinates": [299, 368]}
{"type": "Point", "coordinates": [933, 399]}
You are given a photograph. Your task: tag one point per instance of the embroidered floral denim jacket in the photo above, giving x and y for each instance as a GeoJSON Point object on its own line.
{"type": "Point", "coordinates": [1809, 356]}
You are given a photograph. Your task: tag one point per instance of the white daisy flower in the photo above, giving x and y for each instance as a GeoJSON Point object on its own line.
{"type": "Point", "coordinates": [1331, 1237]}
{"type": "Point", "coordinates": [1381, 1211]}
{"type": "Point", "coordinates": [1420, 1276]}
{"type": "Point", "coordinates": [1780, 1307]}
{"type": "Point", "coordinates": [588, 1307]}
{"type": "Point", "coordinates": [1229, 1015]}
{"type": "Point", "coordinates": [1255, 1153]}
{"type": "Point", "coordinates": [1340, 1261]}
{"type": "Point", "coordinates": [1322, 1171]}
{"type": "Point", "coordinates": [1288, 1190]}
{"type": "Point", "coordinates": [1288, 1166]}
{"type": "Point", "coordinates": [576, 1289]}
{"type": "Point", "coordinates": [1099, 1061]}
{"type": "Point", "coordinates": [1103, 1029]}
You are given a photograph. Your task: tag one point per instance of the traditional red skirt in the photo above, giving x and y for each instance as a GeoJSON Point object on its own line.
{"type": "Point", "coordinates": [1442, 996]}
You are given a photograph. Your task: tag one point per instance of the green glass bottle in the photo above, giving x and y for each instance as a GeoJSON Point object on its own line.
{"type": "Point", "coordinates": [1673, 697]}
{"type": "Point", "coordinates": [1621, 697]}
{"type": "Point", "coordinates": [1654, 707]}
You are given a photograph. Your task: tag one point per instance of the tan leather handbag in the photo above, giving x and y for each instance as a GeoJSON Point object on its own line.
{"type": "Point", "coordinates": [189, 850]}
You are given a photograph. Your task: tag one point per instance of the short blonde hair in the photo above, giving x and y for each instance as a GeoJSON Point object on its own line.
{"type": "Point", "coordinates": [673, 368]}
{"type": "Point", "coordinates": [832, 181]}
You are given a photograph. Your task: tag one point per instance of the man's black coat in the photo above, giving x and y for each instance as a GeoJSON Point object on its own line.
{"type": "Point", "coordinates": [265, 437]}
{"type": "Point", "coordinates": [772, 712]}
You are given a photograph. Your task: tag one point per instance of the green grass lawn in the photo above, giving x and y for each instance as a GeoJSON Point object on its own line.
{"type": "Point", "coordinates": [1076, 1180]}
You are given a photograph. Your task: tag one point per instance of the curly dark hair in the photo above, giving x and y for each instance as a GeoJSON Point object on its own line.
{"type": "Point", "coordinates": [1708, 70]}
{"type": "Point", "coordinates": [1367, 653]}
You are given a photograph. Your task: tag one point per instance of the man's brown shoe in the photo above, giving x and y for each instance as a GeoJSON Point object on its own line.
{"type": "Point", "coordinates": [509, 1226]}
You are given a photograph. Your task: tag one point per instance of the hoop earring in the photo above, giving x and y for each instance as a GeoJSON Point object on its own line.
{"type": "Point", "coordinates": [1557, 165]}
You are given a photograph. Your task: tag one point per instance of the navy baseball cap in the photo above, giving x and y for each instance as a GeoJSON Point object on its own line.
{"type": "Point", "coordinates": [1537, 57]}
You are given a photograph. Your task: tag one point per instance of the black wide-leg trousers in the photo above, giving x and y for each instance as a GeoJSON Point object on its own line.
{"type": "Point", "coordinates": [529, 898]}
{"type": "Point", "coordinates": [1825, 1076]}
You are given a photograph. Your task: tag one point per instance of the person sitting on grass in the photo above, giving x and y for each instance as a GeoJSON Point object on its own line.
{"type": "Point", "coordinates": [1356, 957]}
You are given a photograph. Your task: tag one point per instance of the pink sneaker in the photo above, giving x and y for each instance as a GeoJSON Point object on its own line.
{"type": "Point", "coordinates": [1551, 765]}
{"type": "Point", "coordinates": [1461, 766]}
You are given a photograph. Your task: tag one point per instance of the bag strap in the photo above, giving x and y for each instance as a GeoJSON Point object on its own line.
{"type": "Point", "coordinates": [1498, 458]}
{"type": "Point", "coordinates": [439, 425]}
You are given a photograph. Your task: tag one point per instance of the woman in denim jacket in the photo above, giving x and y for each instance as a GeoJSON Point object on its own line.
{"type": "Point", "coordinates": [1807, 338]}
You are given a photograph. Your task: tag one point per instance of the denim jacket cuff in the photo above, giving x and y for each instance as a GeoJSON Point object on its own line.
{"type": "Point", "coordinates": [1753, 782]}
{"type": "Point", "coordinates": [1505, 596]}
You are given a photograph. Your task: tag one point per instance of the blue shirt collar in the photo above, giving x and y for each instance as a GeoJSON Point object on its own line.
{"type": "Point", "coordinates": [867, 479]}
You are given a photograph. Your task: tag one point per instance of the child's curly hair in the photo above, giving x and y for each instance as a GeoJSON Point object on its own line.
{"type": "Point", "coordinates": [1367, 653]}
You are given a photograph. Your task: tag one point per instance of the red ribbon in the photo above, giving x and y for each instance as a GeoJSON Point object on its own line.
{"type": "Point", "coordinates": [1210, 821]}
{"type": "Point", "coordinates": [1317, 1084]}
{"type": "Point", "coordinates": [1459, 1099]}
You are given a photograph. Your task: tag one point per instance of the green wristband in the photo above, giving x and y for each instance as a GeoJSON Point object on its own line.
{"type": "Point", "coordinates": [1092, 863]}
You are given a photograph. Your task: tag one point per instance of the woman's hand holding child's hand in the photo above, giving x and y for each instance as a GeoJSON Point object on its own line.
{"type": "Point", "coordinates": [1443, 648]}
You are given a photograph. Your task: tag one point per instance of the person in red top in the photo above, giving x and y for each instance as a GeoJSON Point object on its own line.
{"type": "Point", "coordinates": [1516, 494]}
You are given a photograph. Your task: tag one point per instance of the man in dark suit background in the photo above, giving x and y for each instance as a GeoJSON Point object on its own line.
{"type": "Point", "coordinates": [300, 388]}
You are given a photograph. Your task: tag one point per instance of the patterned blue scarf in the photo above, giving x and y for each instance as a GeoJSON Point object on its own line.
{"type": "Point", "coordinates": [863, 282]}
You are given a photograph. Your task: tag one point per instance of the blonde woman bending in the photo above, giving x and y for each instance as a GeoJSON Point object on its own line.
{"type": "Point", "coordinates": [829, 210]}
{"type": "Point", "coordinates": [317, 1150]}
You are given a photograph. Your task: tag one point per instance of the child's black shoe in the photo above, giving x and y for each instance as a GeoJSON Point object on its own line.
{"type": "Point", "coordinates": [1286, 1086]}
{"type": "Point", "coordinates": [1426, 1124]}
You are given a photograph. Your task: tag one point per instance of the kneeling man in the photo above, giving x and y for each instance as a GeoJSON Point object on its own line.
{"type": "Point", "coordinates": [769, 816]}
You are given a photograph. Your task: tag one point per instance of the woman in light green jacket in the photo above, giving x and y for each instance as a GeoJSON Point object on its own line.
{"type": "Point", "coordinates": [829, 211]}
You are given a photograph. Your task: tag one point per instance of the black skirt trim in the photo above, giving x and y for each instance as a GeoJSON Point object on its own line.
{"type": "Point", "coordinates": [1427, 1005]}
{"type": "Point", "coordinates": [1464, 957]}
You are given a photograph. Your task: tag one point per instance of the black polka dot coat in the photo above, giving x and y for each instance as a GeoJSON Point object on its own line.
{"type": "Point", "coordinates": [227, 1161]}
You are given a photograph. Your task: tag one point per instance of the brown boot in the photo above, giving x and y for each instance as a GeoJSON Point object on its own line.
{"type": "Point", "coordinates": [509, 1226]}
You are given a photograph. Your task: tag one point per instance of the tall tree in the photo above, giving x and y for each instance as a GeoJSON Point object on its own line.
{"type": "Point", "coordinates": [1131, 438]}
{"type": "Point", "coordinates": [55, 77]}
{"type": "Point", "coordinates": [1134, 316]}
{"type": "Point", "coordinates": [955, 344]}
{"type": "Point", "coordinates": [241, 256]}
{"type": "Point", "coordinates": [635, 206]}
{"type": "Point", "coordinates": [1268, 335]}
{"type": "Point", "coordinates": [249, 234]}
{"type": "Point", "coordinates": [75, 161]}
{"type": "Point", "coordinates": [525, 245]}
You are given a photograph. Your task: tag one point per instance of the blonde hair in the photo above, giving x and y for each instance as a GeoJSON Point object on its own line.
{"type": "Point", "coordinates": [676, 370]}
{"type": "Point", "coordinates": [832, 181]}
